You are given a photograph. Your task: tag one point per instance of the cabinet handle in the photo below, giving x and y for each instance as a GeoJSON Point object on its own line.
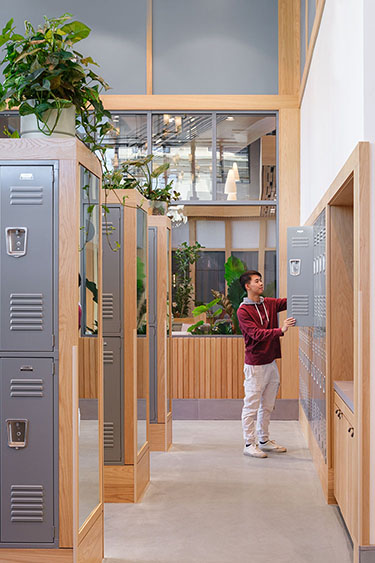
{"type": "Point", "coordinates": [351, 431]}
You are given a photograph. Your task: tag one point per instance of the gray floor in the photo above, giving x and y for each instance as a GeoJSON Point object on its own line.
{"type": "Point", "coordinates": [208, 503]}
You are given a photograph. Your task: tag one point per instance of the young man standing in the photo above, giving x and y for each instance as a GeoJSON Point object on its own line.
{"type": "Point", "coordinates": [257, 316]}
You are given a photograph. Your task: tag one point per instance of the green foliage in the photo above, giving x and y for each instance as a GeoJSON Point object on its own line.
{"type": "Point", "coordinates": [138, 174]}
{"type": "Point", "coordinates": [270, 290]}
{"type": "Point", "coordinates": [213, 326]}
{"type": "Point", "coordinates": [234, 268]}
{"type": "Point", "coordinates": [185, 256]}
{"type": "Point", "coordinates": [43, 66]}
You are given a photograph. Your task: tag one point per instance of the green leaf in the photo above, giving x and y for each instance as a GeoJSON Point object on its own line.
{"type": "Point", "coordinates": [234, 268]}
{"type": "Point", "coordinates": [196, 325]}
{"type": "Point", "coordinates": [218, 312]}
{"type": "Point", "coordinates": [160, 169]}
{"type": "Point", "coordinates": [76, 31]}
{"type": "Point", "coordinates": [199, 310]}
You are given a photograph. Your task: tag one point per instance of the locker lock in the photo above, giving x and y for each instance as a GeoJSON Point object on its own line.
{"type": "Point", "coordinates": [16, 241]}
{"type": "Point", "coordinates": [17, 432]}
{"type": "Point", "coordinates": [295, 266]}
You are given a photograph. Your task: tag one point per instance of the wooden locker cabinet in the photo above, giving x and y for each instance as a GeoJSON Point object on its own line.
{"type": "Point", "coordinates": [344, 461]}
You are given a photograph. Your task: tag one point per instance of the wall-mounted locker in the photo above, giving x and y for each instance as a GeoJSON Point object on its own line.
{"type": "Point", "coordinates": [125, 355]}
{"type": "Point", "coordinates": [160, 429]}
{"type": "Point", "coordinates": [27, 220]}
{"type": "Point", "coordinates": [300, 292]}
{"type": "Point", "coordinates": [42, 190]}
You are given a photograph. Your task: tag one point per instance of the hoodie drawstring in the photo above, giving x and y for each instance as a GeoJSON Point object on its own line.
{"type": "Point", "coordinates": [260, 316]}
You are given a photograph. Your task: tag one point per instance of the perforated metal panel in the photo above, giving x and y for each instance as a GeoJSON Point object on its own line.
{"type": "Point", "coordinates": [27, 473]}
{"type": "Point", "coordinates": [26, 281]}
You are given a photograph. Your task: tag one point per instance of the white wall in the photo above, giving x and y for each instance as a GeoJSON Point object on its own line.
{"type": "Point", "coordinates": [332, 119]}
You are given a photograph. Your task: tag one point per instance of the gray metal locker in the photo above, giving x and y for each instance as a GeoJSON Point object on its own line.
{"type": "Point", "coordinates": [300, 278]}
{"type": "Point", "coordinates": [111, 271]}
{"type": "Point", "coordinates": [26, 258]}
{"type": "Point", "coordinates": [27, 446]}
{"type": "Point", "coordinates": [113, 400]}
{"type": "Point", "coordinates": [152, 321]}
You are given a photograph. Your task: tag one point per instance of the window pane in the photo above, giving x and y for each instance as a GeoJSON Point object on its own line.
{"type": "Point", "coordinates": [129, 140]}
{"type": "Point", "coordinates": [10, 121]}
{"type": "Point", "coordinates": [209, 274]}
{"type": "Point", "coordinates": [271, 234]}
{"type": "Point", "coordinates": [249, 258]}
{"type": "Point", "coordinates": [211, 234]}
{"type": "Point", "coordinates": [246, 159]}
{"type": "Point", "coordinates": [270, 273]}
{"type": "Point", "coordinates": [185, 142]}
{"type": "Point", "coordinates": [180, 234]}
{"type": "Point", "coordinates": [245, 234]}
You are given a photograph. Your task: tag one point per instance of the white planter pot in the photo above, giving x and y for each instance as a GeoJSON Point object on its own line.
{"type": "Point", "coordinates": [66, 125]}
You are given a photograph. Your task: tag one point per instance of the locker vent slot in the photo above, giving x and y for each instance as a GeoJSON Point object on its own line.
{"type": "Point", "coordinates": [107, 305]}
{"type": "Point", "coordinates": [26, 311]}
{"type": "Point", "coordinates": [108, 356]}
{"type": "Point", "coordinates": [26, 388]}
{"type": "Point", "coordinates": [107, 228]}
{"type": "Point", "coordinates": [109, 431]}
{"type": "Point", "coordinates": [300, 242]}
{"type": "Point", "coordinates": [27, 503]}
{"type": "Point", "coordinates": [300, 305]}
{"type": "Point", "coordinates": [26, 195]}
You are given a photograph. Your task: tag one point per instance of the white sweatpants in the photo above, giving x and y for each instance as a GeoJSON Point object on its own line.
{"type": "Point", "coordinates": [261, 387]}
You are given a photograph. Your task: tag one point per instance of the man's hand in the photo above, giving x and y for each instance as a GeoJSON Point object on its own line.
{"type": "Point", "coordinates": [287, 323]}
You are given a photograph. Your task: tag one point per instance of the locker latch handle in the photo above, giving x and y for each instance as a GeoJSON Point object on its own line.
{"type": "Point", "coordinates": [295, 266]}
{"type": "Point", "coordinates": [17, 432]}
{"type": "Point", "coordinates": [16, 241]}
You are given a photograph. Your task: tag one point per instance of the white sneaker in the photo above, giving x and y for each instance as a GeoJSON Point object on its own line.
{"type": "Point", "coordinates": [253, 451]}
{"type": "Point", "coordinates": [272, 446]}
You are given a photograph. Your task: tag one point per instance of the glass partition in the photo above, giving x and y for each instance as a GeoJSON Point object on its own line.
{"type": "Point", "coordinates": [185, 143]}
{"type": "Point", "coordinates": [88, 425]}
{"type": "Point", "coordinates": [142, 351]}
{"type": "Point", "coordinates": [128, 140]}
{"type": "Point", "coordinates": [168, 359]}
{"type": "Point", "coordinates": [245, 157]}
{"type": "Point", "coordinates": [89, 240]}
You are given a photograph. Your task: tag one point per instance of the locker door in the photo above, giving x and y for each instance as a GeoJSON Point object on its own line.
{"type": "Point", "coordinates": [27, 492]}
{"type": "Point", "coordinates": [26, 258]}
{"type": "Point", "coordinates": [113, 403]}
{"type": "Point", "coordinates": [152, 322]}
{"type": "Point", "coordinates": [111, 272]}
{"type": "Point", "coordinates": [300, 275]}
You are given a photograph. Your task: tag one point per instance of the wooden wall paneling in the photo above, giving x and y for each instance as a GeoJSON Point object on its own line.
{"type": "Point", "coordinates": [91, 545]}
{"type": "Point", "coordinates": [68, 338]}
{"type": "Point", "coordinates": [130, 333]}
{"type": "Point", "coordinates": [268, 150]}
{"type": "Point", "coordinates": [289, 213]}
{"type": "Point", "coordinates": [180, 364]}
{"type": "Point", "coordinates": [191, 102]}
{"type": "Point", "coordinates": [36, 555]}
{"type": "Point", "coordinates": [142, 470]}
{"type": "Point", "coordinates": [289, 46]}
{"type": "Point", "coordinates": [88, 354]}
{"type": "Point", "coordinates": [119, 483]}
{"type": "Point", "coordinates": [362, 335]}
{"type": "Point", "coordinates": [207, 368]}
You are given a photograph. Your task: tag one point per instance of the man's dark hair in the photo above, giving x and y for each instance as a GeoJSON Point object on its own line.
{"type": "Point", "coordinates": [246, 277]}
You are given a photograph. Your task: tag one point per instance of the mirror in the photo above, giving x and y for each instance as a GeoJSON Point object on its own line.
{"type": "Point", "coordinates": [88, 419]}
{"type": "Point", "coordinates": [142, 342]}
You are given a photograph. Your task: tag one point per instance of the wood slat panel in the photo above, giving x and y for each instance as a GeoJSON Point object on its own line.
{"type": "Point", "coordinates": [207, 368]}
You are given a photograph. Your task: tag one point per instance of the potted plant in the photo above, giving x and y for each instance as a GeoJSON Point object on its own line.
{"type": "Point", "coordinates": [44, 77]}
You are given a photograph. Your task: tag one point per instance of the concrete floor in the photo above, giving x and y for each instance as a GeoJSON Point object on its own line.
{"type": "Point", "coordinates": [208, 503]}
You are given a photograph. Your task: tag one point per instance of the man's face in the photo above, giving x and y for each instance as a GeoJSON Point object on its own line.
{"type": "Point", "coordinates": [255, 285]}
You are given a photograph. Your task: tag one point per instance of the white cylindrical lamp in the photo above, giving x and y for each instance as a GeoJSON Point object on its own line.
{"type": "Point", "coordinates": [230, 186]}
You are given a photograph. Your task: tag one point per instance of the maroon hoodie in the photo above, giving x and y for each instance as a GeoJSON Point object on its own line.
{"type": "Point", "coordinates": [259, 326]}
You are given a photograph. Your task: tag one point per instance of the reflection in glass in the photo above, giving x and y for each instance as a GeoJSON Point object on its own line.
{"type": "Point", "coordinates": [246, 163]}
{"type": "Point", "coordinates": [270, 273]}
{"type": "Point", "coordinates": [89, 474]}
{"type": "Point", "coordinates": [141, 327]}
{"type": "Point", "coordinates": [128, 140]}
{"type": "Point", "coordinates": [169, 375]}
{"type": "Point", "coordinates": [209, 274]}
{"type": "Point", "coordinates": [89, 256]}
{"type": "Point", "coordinates": [185, 142]}
{"type": "Point", "coordinates": [249, 258]}
{"type": "Point", "coordinates": [9, 121]}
